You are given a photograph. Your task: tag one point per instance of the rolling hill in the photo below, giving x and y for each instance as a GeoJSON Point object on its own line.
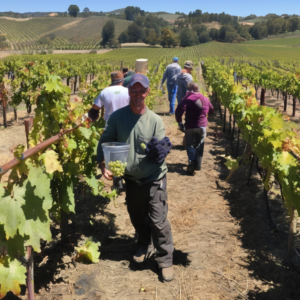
{"type": "Point", "coordinates": [56, 33]}
{"type": "Point", "coordinates": [283, 42]}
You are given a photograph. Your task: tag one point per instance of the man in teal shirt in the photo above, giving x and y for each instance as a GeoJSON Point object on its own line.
{"type": "Point", "coordinates": [146, 183]}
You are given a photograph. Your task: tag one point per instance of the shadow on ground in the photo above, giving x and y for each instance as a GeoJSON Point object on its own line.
{"type": "Point", "coordinates": [267, 260]}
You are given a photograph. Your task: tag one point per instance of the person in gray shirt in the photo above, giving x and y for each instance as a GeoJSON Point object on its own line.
{"type": "Point", "coordinates": [170, 75]}
{"type": "Point", "coordinates": [182, 79]}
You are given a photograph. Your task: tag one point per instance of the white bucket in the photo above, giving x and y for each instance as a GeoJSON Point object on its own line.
{"type": "Point", "coordinates": [141, 65]}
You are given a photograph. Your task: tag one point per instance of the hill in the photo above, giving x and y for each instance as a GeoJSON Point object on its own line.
{"type": "Point", "coordinates": [169, 17]}
{"type": "Point", "coordinates": [56, 33]}
{"type": "Point", "coordinates": [283, 42]}
{"type": "Point", "coordinates": [117, 11]}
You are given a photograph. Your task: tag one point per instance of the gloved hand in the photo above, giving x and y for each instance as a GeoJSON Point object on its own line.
{"type": "Point", "coordinates": [156, 151]}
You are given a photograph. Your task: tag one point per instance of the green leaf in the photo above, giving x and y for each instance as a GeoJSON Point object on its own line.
{"type": "Point", "coordinates": [12, 274]}
{"type": "Point", "coordinates": [13, 246]}
{"type": "Point", "coordinates": [88, 252]}
{"type": "Point", "coordinates": [86, 133]}
{"type": "Point", "coordinates": [36, 230]}
{"type": "Point", "coordinates": [93, 183]}
{"type": "Point", "coordinates": [41, 181]}
{"type": "Point", "coordinates": [67, 196]}
{"type": "Point", "coordinates": [267, 132]}
{"type": "Point", "coordinates": [72, 144]}
{"type": "Point", "coordinates": [50, 159]}
{"type": "Point", "coordinates": [276, 144]}
{"type": "Point", "coordinates": [11, 213]}
{"type": "Point", "coordinates": [232, 165]}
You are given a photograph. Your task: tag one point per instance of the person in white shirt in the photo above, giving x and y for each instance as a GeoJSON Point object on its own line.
{"type": "Point", "coordinates": [111, 98]}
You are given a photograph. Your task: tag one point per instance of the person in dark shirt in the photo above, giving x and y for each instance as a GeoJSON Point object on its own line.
{"type": "Point", "coordinates": [196, 107]}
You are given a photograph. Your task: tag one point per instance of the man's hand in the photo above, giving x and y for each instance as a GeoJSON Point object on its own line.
{"type": "Point", "coordinates": [106, 173]}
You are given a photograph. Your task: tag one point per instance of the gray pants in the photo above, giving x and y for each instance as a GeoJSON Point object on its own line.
{"type": "Point", "coordinates": [148, 208]}
{"type": "Point", "coordinates": [194, 139]}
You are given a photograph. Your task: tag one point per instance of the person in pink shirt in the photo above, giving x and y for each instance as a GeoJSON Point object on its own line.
{"type": "Point", "coordinates": [196, 107]}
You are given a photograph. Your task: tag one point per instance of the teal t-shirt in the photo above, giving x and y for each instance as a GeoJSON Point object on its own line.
{"type": "Point", "coordinates": [126, 127]}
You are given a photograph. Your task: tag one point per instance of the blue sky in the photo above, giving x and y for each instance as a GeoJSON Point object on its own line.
{"type": "Point", "coordinates": [240, 8]}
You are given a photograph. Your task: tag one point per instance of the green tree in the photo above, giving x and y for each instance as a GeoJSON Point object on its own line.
{"type": "Point", "coordinates": [204, 37]}
{"type": "Point", "coordinates": [114, 43]}
{"type": "Point", "coordinates": [293, 24]}
{"type": "Point", "coordinates": [259, 31]}
{"type": "Point", "coordinates": [123, 37]}
{"type": "Point", "coordinates": [73, 10]}
{"type": "Point", "coordinates": [2, 38]}
{"type": "Point", "coordinates": [188, 37]}
{"type": "Point", "coordinates": [223, 30]}
{"type": "Point", "coordinates": [108, 32]}
{"type": "Point", "coordinates": [214, 34]}
{"type": "Point", "coordinates": [152, 37]}
{"type": "Point", "coordinates": [136, 33]}
{"type": "Point", "coordinates": [166, 39]}
{"type": "Point", "coordinates": [131, 12]}
{"type": "Point", "coordinates": [230, 36]}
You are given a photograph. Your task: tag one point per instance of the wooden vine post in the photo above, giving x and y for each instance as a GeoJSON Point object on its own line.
{"type": "Point", "coordinates": [294, 106]}
{"type": "Point", "coordinates": [30, 272]}
{"type": "Point", "coordinates": [224, 125]}
{"type": "Point", "coordinates": [262, 97]}
{"type": "Point", "coordinates": [3, 99]}
{"type": "Point", "coordinates": [28, 123]}
{"type": "Point", "coordinates": [285, 101]}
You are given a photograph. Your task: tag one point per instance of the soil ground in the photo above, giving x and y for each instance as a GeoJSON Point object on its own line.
{"type": "Point", "coordinates": [225, 247]}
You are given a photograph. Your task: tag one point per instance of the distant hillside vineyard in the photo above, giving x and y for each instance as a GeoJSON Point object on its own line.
{"type": "Point", "coordinates": [57, 33]}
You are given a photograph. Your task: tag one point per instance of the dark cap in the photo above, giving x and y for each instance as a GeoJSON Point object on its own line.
{"type": "Point", "coordinates": [116, 77]}
{"type": "Point", "coordinates": [142, 79]}
{"type": "Point", "coordinates": [188, 64]}
{"type": "Point", "coordinates": [129, 73]}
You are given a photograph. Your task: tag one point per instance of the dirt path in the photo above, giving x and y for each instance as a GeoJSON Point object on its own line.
{"type": "Point", "coordinates": [16, 19]}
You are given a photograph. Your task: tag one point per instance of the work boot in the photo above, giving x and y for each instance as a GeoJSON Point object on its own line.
{"type": "Point", "coordinates": [191, 167]}
{"type": "Point", "coordinates": [140, 255]}
{"type": "Point", "coordinates": [167, 274]}
{"type": "Point", "coordinates": [143, 253]}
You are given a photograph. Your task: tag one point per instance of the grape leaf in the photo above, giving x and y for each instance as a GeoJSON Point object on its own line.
{"type": "Point", "coordinates": [36, 230]}
{"type": "Point", "coordinates": [93, 183]}
{"type": "Point", "coordinates": [51, 162]}
{"type": "Point", "coordinates": [13, 246]}
{"type": "Point", "coordinates": [67, 196]}
{"type": "Point", "coordinates": [41, 181]}
{"type": "Point", "coordinates": [12, 274]}
{"type": "Point", "coordinates": [89, 252]}
{"type": "Point", "coordinates": [11, 213]}
{"type": "Point", "coordinates": [276, 144]}
{"type": "Point", "coordinates": [232, 165]}
{"type": "Point", "coordinates": [72, 144]}
{"type": "Point", "coordinates": [86, 133]}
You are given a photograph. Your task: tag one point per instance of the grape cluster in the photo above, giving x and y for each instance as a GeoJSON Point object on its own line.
{"type": "Point", "coordinates": [156, 151]}
{"type": "Point", "coordinates": [117, 168]}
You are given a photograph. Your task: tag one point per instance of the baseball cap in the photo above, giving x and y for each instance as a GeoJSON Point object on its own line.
{"type": "Point", "coordinates": [142, 79]}
{"type": "Point", "coordinates": [116, 77]}
{"type": "Point", "coordinates": [175, 58]}
{"type": "Point", "coordinates": [129, 73]}
{"type": "Point", "coordinates": [188, 64]}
